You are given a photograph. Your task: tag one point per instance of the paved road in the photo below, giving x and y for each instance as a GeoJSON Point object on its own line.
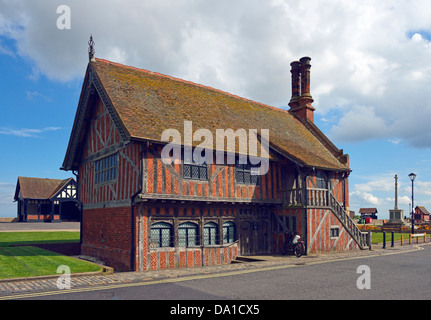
{"type": "Point", "coordinates": [402, 274]}
{"type": "Point", "coordinates": [36, 226]}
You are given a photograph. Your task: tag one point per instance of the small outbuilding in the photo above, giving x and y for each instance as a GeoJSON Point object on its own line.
{"type": "Point", "coordinates": [421, 214]}
{"type": "Point", "coordinates": [46, 200]}
{"type": "Point", "coordinates": [368, 213]}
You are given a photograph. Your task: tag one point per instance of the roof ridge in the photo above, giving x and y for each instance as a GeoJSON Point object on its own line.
{"type": "Point", "coordinates": [192, 83]}
{"type": "Point", "coordinates": [122, 91]}
{"type": "Point", "coordinates": [41, 178]}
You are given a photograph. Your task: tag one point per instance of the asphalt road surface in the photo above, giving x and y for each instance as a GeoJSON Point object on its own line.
{"type": "Point", "coordinates": [390, 277]}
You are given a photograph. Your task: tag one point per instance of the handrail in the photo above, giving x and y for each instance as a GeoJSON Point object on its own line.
{"type": "Point", "coordinates": [359, 236]}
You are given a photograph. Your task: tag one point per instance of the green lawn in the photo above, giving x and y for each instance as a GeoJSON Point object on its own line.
{"type": "Point", "coordinates": [28, 261]}
{"type": "Point", "coordinates": [378, 237]}
{"type": "Point", "coordinates": [17, 262]}
{"type": "Point", "coordinates": [11, 238]}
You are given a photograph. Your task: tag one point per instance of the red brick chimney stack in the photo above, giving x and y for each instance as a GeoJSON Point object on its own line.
{"type": "Point", "coordinates": [296, 83]}
{"type": "Point", "coordinates": [300, 103]}
{"type": "Point", "coordinates": [305, 77]}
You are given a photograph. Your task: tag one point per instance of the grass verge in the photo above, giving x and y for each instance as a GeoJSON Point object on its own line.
{"type": "Point", "coordinates": [11, 238]}
{"type": "Point", "coordinates": [28, 261]}
{"type": "Point", "coordinates": [17, 262]}
{"type": "Point", "coordinates": [378, 237]}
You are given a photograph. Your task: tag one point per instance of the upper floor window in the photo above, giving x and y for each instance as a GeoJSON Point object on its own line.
{"type": "Point", "coordinates": [244, 174]}
{"type": "Point", "coordinates": [321, 182]}
{"type": "Point", "coordinates": [195, 171]}
{"type": "Point", "coordinates": [105, 169]}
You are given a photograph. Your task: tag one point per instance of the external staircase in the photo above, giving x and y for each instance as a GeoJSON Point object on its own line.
{"type": "Point", "coordinates": [320, 198]}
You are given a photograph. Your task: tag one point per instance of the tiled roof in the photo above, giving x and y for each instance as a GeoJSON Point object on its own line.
{"type": "Point", "coordinates": [39, 188]}
{"type": "Point", "coordinates": [368, 210]}
{"type": "Point", "coordinates": [147, 103]}
{"type": "Point", "coordinates": [423, 209]}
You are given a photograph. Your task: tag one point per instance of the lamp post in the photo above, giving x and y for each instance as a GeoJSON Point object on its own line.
{"type": "Point", "coordinates": [412, 177]}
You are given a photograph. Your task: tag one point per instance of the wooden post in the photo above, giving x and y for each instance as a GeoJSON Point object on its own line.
{"type": "Point", "coordinates": [401, 239]}
{"type": "Point", "coordinates": [410, 238]}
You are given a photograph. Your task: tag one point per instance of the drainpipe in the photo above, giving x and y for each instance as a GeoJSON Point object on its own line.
{"type": "Point", "coordinates": [132, 214]}
{"type": "Point", "coordinates": [132, 224]}
{"type": "Point", "coordinates": [79, 204]}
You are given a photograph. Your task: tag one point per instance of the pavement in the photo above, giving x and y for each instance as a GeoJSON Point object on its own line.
{"type": "Point", "coordinates": [10, 288]}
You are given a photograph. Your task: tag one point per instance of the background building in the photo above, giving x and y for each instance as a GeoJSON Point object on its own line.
{"type": "Point", "coordinates": [46, 200]}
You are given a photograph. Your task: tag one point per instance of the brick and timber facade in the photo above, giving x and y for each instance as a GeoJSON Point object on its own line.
{"type": "Point", "coordinates": [46, 200]}
{"type": "Point", "coordinates": [140, 213]}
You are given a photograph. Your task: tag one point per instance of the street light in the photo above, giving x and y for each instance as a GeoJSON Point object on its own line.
{"type": "Point", "coordinates": [412, 177]}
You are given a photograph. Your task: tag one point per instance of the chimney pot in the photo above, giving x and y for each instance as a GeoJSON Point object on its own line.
{"type": "Point", "coordinates": [300, 103]}
{"type": "Point", "coordinates": [305, 77]}
{"type": "Point", "coordinates": [296, 82]}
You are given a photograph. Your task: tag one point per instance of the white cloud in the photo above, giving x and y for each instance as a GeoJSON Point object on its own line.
{"type": "Point", "coordinates": [366, 198]}
{"type": "Point", "coordinates": [377, 191]}
{"type": "Point", "coordinates": [360, 123]}
{"type": "Point", "coordinates": [370, 58]}
{"type": "Point", "coordinates": [404, 200]}
{"type": "Point", "coordinates": [423, 187]}
{"type": "Point", "coordinates": [7, 192]}
{"type": "Point", "coordinates": [35, 95]}
{"type": "Point", "coordinates": [26, 132]}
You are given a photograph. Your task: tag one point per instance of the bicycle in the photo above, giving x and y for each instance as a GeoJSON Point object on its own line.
{"type": "Point", "coordinates": [292, 245]}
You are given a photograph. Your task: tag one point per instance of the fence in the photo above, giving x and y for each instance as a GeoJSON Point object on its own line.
{"type": "Point", "coordinates": [411, 236]}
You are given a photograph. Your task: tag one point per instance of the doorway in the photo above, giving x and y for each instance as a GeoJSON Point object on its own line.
{"type": "Point", "coordinates": [254, 237]}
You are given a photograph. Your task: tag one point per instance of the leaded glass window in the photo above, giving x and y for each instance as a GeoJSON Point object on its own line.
{"type": "Point", "coordinates": [188, 234]}
{"type": "Point", "coordinates": [210, 233]}
{"type": "Point", "coordinates": [105, 169]}
{"type": "Point", "coordinates": [228, 232]}
{"type": "Point", "coordinates": [321, 182]}
{"type": "Point", "coordinates": [244, 174]}
{"type": "Point", "coordinates": [161, 235]}
{"type": "Point", "coordinates": [195, 171]}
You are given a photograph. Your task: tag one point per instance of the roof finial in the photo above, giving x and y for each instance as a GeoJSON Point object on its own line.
{"type": "Point", "coordinates": [91, 48]}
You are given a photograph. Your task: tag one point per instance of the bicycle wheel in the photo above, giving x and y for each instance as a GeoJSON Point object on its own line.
{"type": "Point", "coordinates": [298, 250]}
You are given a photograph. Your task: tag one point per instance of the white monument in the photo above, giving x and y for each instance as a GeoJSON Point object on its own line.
{"type": "Point", "coordinates": [396, 216]}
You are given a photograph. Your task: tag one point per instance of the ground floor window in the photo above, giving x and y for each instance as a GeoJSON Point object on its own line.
{"type": "Point", "coordinates": [228, 232]}
{"type": "Point", "coordinates": [188, 234]}
{"type": "Point", "coordinates": [161, 235]}
{"type": "Point", "coordinates": [210, 233]}
{"type": "Point", "coordinates": [335, 231]}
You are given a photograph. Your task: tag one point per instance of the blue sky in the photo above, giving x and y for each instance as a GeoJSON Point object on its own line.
{"type": "Point", "coordinates": [370, 75]}
{"type": "Point", "coordinates": [37, 116]}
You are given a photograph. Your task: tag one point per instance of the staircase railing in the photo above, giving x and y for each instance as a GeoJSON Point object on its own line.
{"type": "Point", "coordinates": [324, 198]}
{"type": "Point", "coordinates": [359, 236]}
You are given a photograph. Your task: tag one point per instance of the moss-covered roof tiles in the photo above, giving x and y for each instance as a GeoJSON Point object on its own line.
{"type": "Point", "coordinates": [147, 103]}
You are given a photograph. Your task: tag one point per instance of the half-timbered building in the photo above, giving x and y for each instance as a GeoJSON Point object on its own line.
{"type": "Point", "coordinates": [141, 213]}
{"type": "Point", "coordinates": [46, 200]}
{"type": "Point", "coordinates": [422, 215]}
